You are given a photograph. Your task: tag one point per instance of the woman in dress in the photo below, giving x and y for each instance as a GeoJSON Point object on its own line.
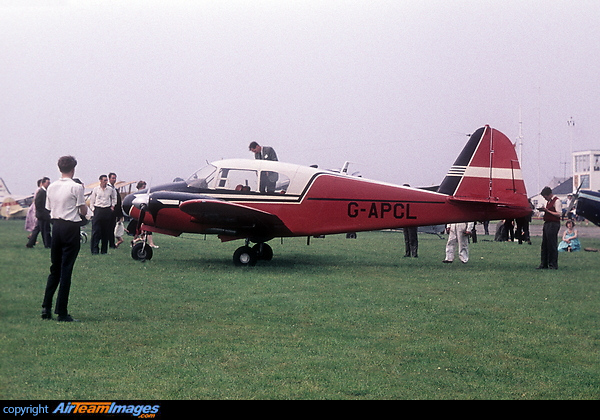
{"type": "Point", "coordinates": [569, 242]}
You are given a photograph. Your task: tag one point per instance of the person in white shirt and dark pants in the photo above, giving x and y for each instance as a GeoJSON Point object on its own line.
{"type": "Point", "coordinates": [66, 203]}
{"type": "Point", "coordinates": [102, 203]}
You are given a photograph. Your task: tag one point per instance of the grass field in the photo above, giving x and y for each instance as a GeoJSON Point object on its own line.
{"type": "Point", "coordinates": [339, 319]}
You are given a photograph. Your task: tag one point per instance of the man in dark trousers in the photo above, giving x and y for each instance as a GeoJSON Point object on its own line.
{"type": "Point", "coordinates": [411, 239]}
{"type": "Point", "coordinates": [118, 209]}
{"type": "Point", "coordinates": [42, 215]}
{"type": "Point", "coordinates": [552, 214]}
{"type": "Point", "coordinates": [67, 206]}
{"type": "Point", "coordinates": [102, 202]}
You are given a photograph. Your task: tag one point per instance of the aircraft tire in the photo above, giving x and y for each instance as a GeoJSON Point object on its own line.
{"type": "Point", "coordinates": [265, 254]}
{"type": "Point", "coordinates": [245, 257]}
{"type": "Point", "coordinates": [141, 252]}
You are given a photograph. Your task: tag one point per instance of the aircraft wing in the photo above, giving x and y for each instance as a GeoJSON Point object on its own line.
{"type": "Point", "coordinates": [233, 220]}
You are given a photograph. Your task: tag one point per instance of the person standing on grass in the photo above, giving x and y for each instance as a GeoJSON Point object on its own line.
{"type": "Point", "coordinates": [66, 203]}
{"type": "Point", "coordinates": [552, 215]}
{"type": "Point", "coordinates": [102, 202]}
{"type": "Point", "coordinates": [411, 239]}
{"type": "Point", "coordinates": [458, 234]}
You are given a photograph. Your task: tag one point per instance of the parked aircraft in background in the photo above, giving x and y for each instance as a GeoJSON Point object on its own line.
{"type": "Point", "coordinates": [225, 198]}
{"type": "Point", "coordinates": [13, 206]}
{"type": "Point", "coordinates": [123, 187]}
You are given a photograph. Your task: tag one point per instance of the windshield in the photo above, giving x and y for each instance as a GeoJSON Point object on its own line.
{"type": "Point", "coordinates": [203, 178]}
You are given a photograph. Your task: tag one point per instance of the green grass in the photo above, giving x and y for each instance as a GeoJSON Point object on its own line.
{"type": "Point", "coordinates": [339, 319]}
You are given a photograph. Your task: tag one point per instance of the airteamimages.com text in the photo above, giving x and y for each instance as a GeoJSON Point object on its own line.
{"type": "Point", "coordinates": [89, 407]}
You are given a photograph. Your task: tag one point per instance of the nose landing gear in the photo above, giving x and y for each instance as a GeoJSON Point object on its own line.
{"type": "Point", "coordinates": [140, 250]}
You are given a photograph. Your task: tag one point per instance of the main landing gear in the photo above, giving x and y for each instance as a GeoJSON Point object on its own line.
{"type": "Point", "coordinates": [246, 256]}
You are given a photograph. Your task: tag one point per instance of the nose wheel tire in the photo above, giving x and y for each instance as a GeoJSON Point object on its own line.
{"type": "Point", "coordinates": [141, 252]}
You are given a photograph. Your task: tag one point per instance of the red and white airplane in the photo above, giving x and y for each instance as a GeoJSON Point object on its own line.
{"type": "Point", "coordinates": [258, 200]}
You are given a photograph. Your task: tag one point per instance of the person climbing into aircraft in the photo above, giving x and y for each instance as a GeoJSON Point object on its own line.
{"type": "Point", "coordinates": [262, 152]}
{"type": "Point", "coordinates": [267, 179]}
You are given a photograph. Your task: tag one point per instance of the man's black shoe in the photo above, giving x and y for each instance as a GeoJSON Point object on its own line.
{"type": "Point", "coordinates": [46, 313]}
{"type": "Point", "coordinates": [66, 318]}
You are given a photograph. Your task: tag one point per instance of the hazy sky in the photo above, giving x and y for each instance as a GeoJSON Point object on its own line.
{"type": "Point", "coordinates": [153, 89]}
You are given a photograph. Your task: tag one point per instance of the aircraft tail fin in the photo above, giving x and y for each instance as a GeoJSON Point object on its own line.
{"type": "Point", "coordinates": [3, 189]}
{"type": "Point", "coordinates": [487, 170]}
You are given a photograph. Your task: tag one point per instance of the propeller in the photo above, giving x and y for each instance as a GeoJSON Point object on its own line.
{"type": "Point", "coordinates": [574, 200]}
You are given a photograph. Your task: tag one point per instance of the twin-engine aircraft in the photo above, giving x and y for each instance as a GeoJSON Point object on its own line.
{"type": "Point", "coordinates": [258, 200]}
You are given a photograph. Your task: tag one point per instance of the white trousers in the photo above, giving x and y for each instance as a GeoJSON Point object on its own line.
{"type": "Point", "coordinates": [458, 237]}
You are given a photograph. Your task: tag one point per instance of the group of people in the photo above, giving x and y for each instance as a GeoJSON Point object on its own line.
{"type": "Point", "coordinates": [60, 208]}
{"type": "Point", "coordinates": [104, 203]}
{"type": "Point", "coordinates": [459, 234]}
{"type": "Point", "coordinates": [509, 230]}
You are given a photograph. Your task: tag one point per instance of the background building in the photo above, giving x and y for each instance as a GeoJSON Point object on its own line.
{"type": "Point", "coordinates": [586, 170]}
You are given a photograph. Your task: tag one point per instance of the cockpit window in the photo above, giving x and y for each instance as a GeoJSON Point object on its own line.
{"type": "Point", "coordinates": [245, 180]}
{"type": "Point", "coordinates": [204, 178]}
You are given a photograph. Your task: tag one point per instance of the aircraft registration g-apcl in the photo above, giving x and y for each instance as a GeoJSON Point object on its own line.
{"type": "Point", "coordinates": [258, 200]}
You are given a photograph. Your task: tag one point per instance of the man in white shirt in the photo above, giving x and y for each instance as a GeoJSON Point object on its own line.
{"type": "Point", "coordinates": [102, 203]}
{"type": "Point", "coordinates": [66, 203]}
